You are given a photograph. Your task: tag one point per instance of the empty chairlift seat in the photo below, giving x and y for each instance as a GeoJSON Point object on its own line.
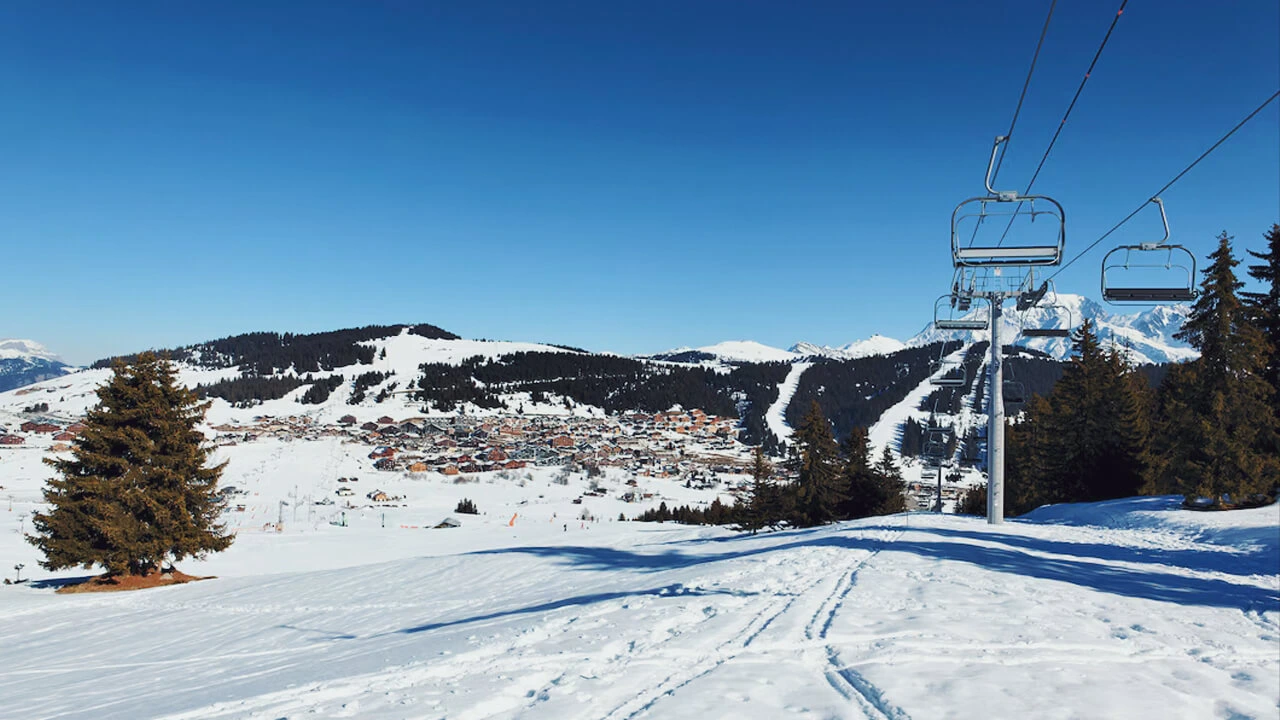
{"type": "Point", "coordinates": [1031, 244]}
{"type": "Point", "coordinates": [1149, 273]}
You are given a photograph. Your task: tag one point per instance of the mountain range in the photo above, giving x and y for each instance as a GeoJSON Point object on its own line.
{"type": "Point", "coordinates": [23, 362]}
{"type": "Point", "coordinates": [1146, 337]}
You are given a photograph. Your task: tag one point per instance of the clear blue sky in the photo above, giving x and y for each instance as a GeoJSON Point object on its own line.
{"type": "Point", "coordinates": [626, 177]}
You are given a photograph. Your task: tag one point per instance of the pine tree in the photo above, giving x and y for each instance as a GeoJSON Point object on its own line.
{"type": "Point", "coordinates": [760, 508]}
{"type": "Point", "coordinates": [889, 478]}
{"type": "Point", "coordinates": [817, 461]}
{"type": "Point", "coordinates": [861, 491]}
{"type": "Point", "coordinates": [1087, 440]}
{"type": "Point", "coordinates": [1265, 306]}
{"type": "Point", "coordinates": [1216, 428]}
{"type": "Point", "coordinates": [136, 492]}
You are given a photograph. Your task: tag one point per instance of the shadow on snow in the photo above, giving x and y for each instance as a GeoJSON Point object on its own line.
{"type": "Point", "coordinates": [1015, 558]}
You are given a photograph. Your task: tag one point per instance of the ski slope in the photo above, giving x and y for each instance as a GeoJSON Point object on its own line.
{"type": "Point", "coordinates": [776, 416]}
{"type": "Point", "coordinates": [1124, 609]}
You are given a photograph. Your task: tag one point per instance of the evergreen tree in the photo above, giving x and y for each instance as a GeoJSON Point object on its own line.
{"type": "Point", "coordinates": [1087, 440]}
{"type": "Point", "coordinates": [1216, 428]}
{"type": "Point", "coordinates": [817, 489]}
{"type": "Point", "coordinates": [889, 478]}
{"type": "Point", "coordinates": [760, 508]}
{"type": "Point", "coordinates": [1265, 306]}
{"type": "Point", "coordinates": [136, 492]}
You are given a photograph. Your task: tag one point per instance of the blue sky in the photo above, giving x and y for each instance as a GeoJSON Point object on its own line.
{"type": "Point", "coordinates": [618, 177]}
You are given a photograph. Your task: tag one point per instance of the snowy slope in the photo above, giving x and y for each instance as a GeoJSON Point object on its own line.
{"type": "Point", "coordinates": [1119, 610]}
{"type": "Point", "coordinates": [71, 395]}
{"type": "Point", "coordinates": [1146, 336]}
{"type": "Point", "coordinates": [775, 416]}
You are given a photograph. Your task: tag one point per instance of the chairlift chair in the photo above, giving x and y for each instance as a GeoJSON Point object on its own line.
{"type": "Point", "coordinates": [1060, 329]}
{"type": "Point", "coordinates": [946, 314]}
{"type": "Point", "coordinates": [1147, 273]}
{"type": "Point", "coordinates": [976, 208]}
{"type": "Point", "coordinates": [946, 372]}
{"type": "Point", "coordinates": [1014, 393]}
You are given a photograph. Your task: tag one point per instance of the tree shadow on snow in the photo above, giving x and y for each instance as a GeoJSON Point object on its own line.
{"type": "Point", "coordinates": [1264, 560]}
{"type": "Point", "coordinates": [57, 583]}
{"type": "Point", "coordinates": [951, 545]}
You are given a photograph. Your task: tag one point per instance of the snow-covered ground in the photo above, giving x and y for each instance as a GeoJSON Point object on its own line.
{"type": "Point", "coordinates": [1124, 609]}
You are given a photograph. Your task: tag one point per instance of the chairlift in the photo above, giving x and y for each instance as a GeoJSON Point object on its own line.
{"type": "Point", "coordinates": [1013, 392]}
{"type": "Point", "coordinates": [977, 209]}
{"type": "Point", "coordinates": [947, 372]}
{"type": "Point", "coordinates": [1151, 272]}
{"type": "Point", "coordinates": [948, 314]}
{"type": "Point", "coordinates": [1059, 326]}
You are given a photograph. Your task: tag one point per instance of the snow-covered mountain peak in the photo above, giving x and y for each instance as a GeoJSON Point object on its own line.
{"type": "Point", "coordinates": [1145, 336]}
{"type": "Point", "coordinates": [747, 351]}
{"type": "Point", "coordinates": [877, 344]}
{"type": "Point", "coordinates": [18, 349]}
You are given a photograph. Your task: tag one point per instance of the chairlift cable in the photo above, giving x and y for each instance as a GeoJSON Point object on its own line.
{"type": "Point", "coordinates": [1167, 185]}
{"type": "Point", "coordinates": [1026, 84]}
{"type": "Point", "coordinates": [1067, 114]}
{"type": "Point", "coordinates": [1023, 96]}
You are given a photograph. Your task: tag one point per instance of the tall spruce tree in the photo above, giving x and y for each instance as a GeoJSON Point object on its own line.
{"type": "Point", "coordinates": [1216, 425]}
{"type": "Point", "coordinates": [137, 491]}
{"type": "Point", "coordinates": [1087, 440]}
{"type": "Point", "coordinates": [817, 487]}
{"type": "Point", "coordinates": [1265, 306]}
{"type": "Point", "coordinates": [861, 491]}
{"type": "Point", "coordinates": [760, 509]}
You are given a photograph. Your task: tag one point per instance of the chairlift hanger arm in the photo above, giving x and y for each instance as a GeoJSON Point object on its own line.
{"type": "Point", "coordinates": [1000, 195]}
{"type": "Point", "coordinates": [1163, 218]}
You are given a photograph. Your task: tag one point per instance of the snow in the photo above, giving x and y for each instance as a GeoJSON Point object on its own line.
{"type": "Point", "coordinates": [747, 351]}
{"type": "Point", "coordinates": [71, 395]}
{"type": "Point", "coordinates": [1131, 608]}
{"type": "Point", "coordinates": [775, 416]}
{"type": "Point", "coordinates": [16, 349]}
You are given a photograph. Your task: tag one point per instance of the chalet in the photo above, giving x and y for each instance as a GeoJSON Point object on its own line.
{"type": "Point", "coordinates": [418, 467]}
{"type": "Point", "coordinates": [448, 469]}
{"type": "Point", "coordinates": [47, 428]}
{"type": "Point", "coordinates": [11, 440]}
{"type": "Point", "coordinates": [76, 428]}
{"type": "Point", "coordinates": [28, 426]}
{"type": "Point", "coordinates": [382, 452]}
{"type": "Point", "coordinates": [65, 436]}
{"type": "Point", "coordinates": [385, 463]}
{"type": "Point", "coordinates": [369, 426]}
{"type": "Point", "coordinates": [513, 465]}
{"type": "Point", "coordinates": [384, 420]}
{"type": "Point", "coordinates": [495, 455]}
{"type": "Point", "coordinates": [347, 420]}
{"type": "Point", "coordinates": [561, 441]}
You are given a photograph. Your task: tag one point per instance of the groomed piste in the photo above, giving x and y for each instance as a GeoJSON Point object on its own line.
{"type": "Point", "coordinates": [1130, 608]}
